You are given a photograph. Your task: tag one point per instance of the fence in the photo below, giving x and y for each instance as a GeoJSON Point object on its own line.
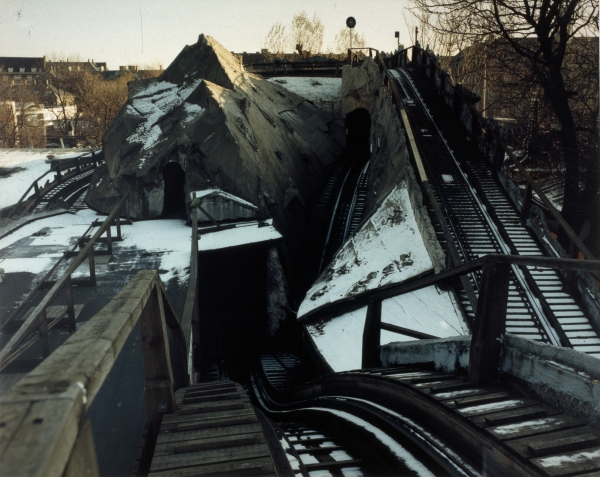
{"type": "Point", "coordinates": [43, 428]}
{"type": "Point", "coordinates": [490, 314]}
{"type": "Point", "coordinates": [37, 320]}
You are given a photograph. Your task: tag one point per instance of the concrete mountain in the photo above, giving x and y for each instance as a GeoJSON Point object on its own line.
{"type": "Point", "coordinates": [225, 129]}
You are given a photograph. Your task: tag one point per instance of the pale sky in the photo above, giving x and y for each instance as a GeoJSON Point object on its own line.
{"type": "Point", "coordinates": [111, 30]}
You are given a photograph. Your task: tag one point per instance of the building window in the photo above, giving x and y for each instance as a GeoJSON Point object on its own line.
{"type": "Point", "coordinates": [22, 70]}
{"type": "Point", "coordinates": [10, 70]}
{"type": "Point", "coordinates": [33, 70]}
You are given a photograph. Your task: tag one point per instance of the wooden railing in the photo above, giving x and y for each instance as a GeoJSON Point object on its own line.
{"type": "Point", "coordinates": [296, 67]}
{"type": "Point", "coordinates": [190, 310]}
{"type": "Point", "coordinates": [43, 428]}
{"type": "Point", "coordinates": [75, 165]}
{"type": "Point", "coordinates": [490, 314]}
{"type": "Point", "coordinates": [37, 320]}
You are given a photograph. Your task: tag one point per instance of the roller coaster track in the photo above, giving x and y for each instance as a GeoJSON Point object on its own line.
{"type": "Point", "coordinates": [483, 220]}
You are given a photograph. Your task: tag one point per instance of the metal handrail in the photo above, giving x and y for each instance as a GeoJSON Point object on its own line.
{"type": "Point", "coordinates": [57, 168]}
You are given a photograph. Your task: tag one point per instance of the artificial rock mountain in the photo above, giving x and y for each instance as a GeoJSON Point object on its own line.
{"type": "Point", "coordinates": [227, 129]}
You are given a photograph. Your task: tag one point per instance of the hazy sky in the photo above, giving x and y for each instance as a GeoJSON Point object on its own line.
{"type": "Point", "coordinates": [111, 30]}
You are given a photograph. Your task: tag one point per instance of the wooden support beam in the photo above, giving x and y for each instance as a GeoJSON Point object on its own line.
{"type": "Point", "coordinates": [118, 224]}
{"type": "Point", "coordinates": [109, 237]}
{"type": "Point", "coordinates": [526, 207]}
{"type": "Point", "coordinates": [92, 264]}
{"type": "Point", "coordinates": [490, 321]}
{"type": "Point", "coordinates": [44, 335]}
{"type": "Point", "coordinates": [158, 373]}
{"type": "Point", "coordinates": [372, 336]}
{"type": "Point", "coordinates": [83, 462]}
{"type": "Point", "coordinates": [70, 305]}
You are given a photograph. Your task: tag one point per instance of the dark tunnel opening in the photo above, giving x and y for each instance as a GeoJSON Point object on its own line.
{"type": "Point", "coordinates": [174, 192]}
{"type": "Point", "coordinates": [358, 132]}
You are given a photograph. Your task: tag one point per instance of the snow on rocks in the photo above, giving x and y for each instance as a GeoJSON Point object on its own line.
{"type": "Point", "coordinates": [388, 248]}
{"type": "Point", "coordinates": [325, 93]}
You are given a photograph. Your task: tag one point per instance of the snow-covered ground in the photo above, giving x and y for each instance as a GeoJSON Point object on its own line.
{"type": "Point", "coordinates": [325, 93]}
{"type": "Point", "coordinates": [387, 249]}
{"type": "Point", "coordinates": [31, 164]}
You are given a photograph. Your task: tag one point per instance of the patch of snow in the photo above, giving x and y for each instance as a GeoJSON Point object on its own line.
{"type": "Point", "coordinates": [325, 93]}
{"type": "Point", "coordinates": [33, 162]}
{"type": "Point", "coordinates": [388, 248]}
{"type": "Point", "coordinates": [200, 194]}
{"type": "Point", "coordinates": [29, 265]}
{"type": "Point", "coordinates": [157, 100]}
{"type": "Point", "coordinates": [429, 310]}
{"type": "Point", "coordinates": [245, 233]}
{"type": "Point", "coordinates": [493, 406]}
{"type": "Point", "coordinates": [193, 112]}
{"type": "Point", "coordinates": [538, 424]}
{"type": "Point", "coordinates": [557, 460]}
{"type": "Point", "coordinates": [459, 393]}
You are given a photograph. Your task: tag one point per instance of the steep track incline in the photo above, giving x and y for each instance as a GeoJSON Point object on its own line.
{"type": "Point", "coordinates": [482, 221]}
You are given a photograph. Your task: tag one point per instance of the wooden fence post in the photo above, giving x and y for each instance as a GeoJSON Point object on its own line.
{"type": "Point", "coordinates": [526, 207]}
{"type": "Point", "coordinates": [44, 335]}
{"type": "Point", "coordinates": [36, 189]}
{"type": "Point", "coordinates": [118, 224]}
{"type": "Point", "coordinates": [109, 239]}
{"type": "Point", "coordinates": [70, 305]}
{"type": "Point", "coordinates": [92, 264]}
{"type": "Point", "coordinates": [127, 212]}
{"type": "Point", "coordinates": [372, 336]}
{"type": "Point", "coordinates": [158, 373]}
{"type": "Point", "coordinates": [490, 322]}
{"type": "Point", "coordinates": [83, 461]}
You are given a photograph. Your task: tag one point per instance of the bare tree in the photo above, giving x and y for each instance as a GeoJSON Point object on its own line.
{"type": "Point", "coordinates": [537, 32]}
{"type": "Point", "coordinates": [20, 124]}
{"type": "Point", "coordinates": [276, 40]}
{"type": "Point", "coordinates": [342, 42]}
{"type": "Point", "coordinates": [306, 34]}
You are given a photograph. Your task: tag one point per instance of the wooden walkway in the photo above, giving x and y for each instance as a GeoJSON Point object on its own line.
{"type": "Point", "coordinates": [214, 431]}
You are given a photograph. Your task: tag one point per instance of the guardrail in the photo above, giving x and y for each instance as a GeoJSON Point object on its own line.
{"type": "Point", "coordinates": [75, 165]}
{"type": "Point", "coordinates": [43, 427]}
{"type": "Point", "coordinates": [37, 320]}
{"type": "Point", "coordinates": [490, 314]}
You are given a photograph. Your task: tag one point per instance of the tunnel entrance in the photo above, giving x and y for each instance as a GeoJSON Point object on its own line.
{"type": "Point", "coordinates": [174, 192]}
{"type": "Point", "coordinates": [232, 309]}
{"type": "Point", "coordinates": [358, 133]}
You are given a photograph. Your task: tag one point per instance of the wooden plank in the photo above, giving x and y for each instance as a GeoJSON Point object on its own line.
{"type": "Point", "coordinates": [216, 442]}
{"type": "Point", "coordinates": [496, 407]}
{"type": "Point", "coordinates": [213, 408]}
{"type": "Point", "coordinates": [257, 466]}
{"type": "Point", "coordinates": [569, 463]}
{"type": "Point", "coordinates": [176, 419]}
{"type": "Point", "coordinates": [333, 464]}
{"type": "Point", "coordinates": [550, 443]}
{"type": "Point", "coordinates": [482, 399]}
{"type": "Point", "coordinates": [83, 462]}
{"type": "Point", "coordinates": [213, 456]}
{"type": "Point", "coordinates": [535, 427]}
{"type": "Point", "coordinates": [194, 433]}
{"type": "Point", "coordinates": [212, 423]}
{"type": "Point", "coordinates": [515, 415]}
{"type": "Point", "coordinates": [372, 336]}
{"type": "Point", "coordinates": [210, 398]}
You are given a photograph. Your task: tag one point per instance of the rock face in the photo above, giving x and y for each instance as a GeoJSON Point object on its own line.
{"type": "Point", "coordinates": [226, 129]}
